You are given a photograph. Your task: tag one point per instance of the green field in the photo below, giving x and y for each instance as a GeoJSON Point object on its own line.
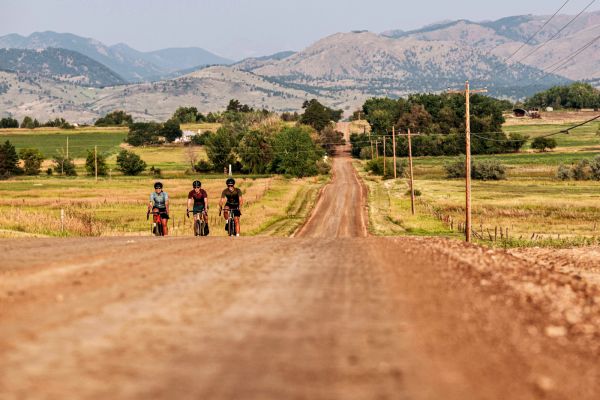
{"type": "Point", "coordinates": [52, 142]}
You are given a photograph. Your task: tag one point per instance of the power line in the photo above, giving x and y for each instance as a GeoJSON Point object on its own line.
{"type": "Point", "coordinates": [563, 63]}
{"type": "Point", "coordinates": [538, 31]}
{"type": "Point", "coordinates": [551, 38]}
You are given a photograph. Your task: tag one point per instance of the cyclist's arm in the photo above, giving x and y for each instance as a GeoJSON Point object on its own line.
{"type": "Point", "coordinates": [150, 204]}
{"type": "Point", "coordinates": [206, 203]}
{"type": "Point", "coordinates": [222, 201]}
{"type": "Point", "coordinates": [167, 206]}
{"type": "Point", "coordinates": [189, 203]}
{"type": "Point", "coordinates": [241, 201]}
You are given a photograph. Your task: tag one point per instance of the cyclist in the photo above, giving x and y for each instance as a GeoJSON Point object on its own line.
{"type": "Point", "coordinates": [159, 202]}
{"type": "Point", "coordinates": [198, 200]}
{"type": "Point", "coordinates": [232, 201]}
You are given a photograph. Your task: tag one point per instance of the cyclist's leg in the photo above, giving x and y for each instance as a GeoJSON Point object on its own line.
{"type": "Point", "coordinates": [165, 224]}
{"type": "Point", "coordinates": [237, 214]}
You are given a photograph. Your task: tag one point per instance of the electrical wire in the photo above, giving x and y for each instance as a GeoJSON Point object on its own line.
{"type": "Point", "coordinates": [538, 31]}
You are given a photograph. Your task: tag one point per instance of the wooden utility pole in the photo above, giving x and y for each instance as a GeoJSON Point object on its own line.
{"type": "Point", "coordinates": [384, 155]}
{"type": "Point", "coordinates": [394, 147]}
{"type": "Point", "coordinates": [377, 148]}
{"type": "Point", "coordinates": [67, 147]}
{"type": "Point", "coordinates": [412, 181]}
{"type": "Point", "coordinates": [96, 162]}
{"type": "Point", "coordinates": [467, 92]}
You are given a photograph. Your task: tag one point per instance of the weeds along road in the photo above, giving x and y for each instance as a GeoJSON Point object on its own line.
{"type": "Point", "coordinates": [301, 318]}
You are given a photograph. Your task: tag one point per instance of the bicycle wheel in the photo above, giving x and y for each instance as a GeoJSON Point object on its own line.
{"type": "Point", "coordinates": [197, 231]}
{"type": "Point", "coordinates": [201, 227]}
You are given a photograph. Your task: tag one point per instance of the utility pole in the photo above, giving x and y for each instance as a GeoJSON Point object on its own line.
{"type": "Point", "coordinates": [412, 182]}
{"type": "Point", "coordinates": [67, 147]}
{"type": "Point", "coordinates": [394, 146]}
{"type": "Point", "coordinates": [377, 148]}
{"type": "Point", "coordinates": [467, 92]}
{"type": "Point", "coordinates": [96, 162]}
{"type": "Point", "coordinates": [384, 155]}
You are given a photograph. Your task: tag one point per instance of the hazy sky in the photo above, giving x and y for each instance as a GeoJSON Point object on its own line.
{"type": "Point", "coordinates": [243, 28]}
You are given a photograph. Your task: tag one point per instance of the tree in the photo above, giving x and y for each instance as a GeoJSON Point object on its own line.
{"type": "Point", "coordinates": [32, 161]}
{"type": "Point", "coordinates": [90, 163]}
{"type": "Point", "coordinates": [295, 152]}
{"type": "Point", "coordinates": [576, 95]}
{"type": "Point", "coordinates": [317, 115]}
{"type": "Point", "coordinates": [64, 165]}
{"type": "Point", "coordinates": [171, 130]}
{"type": "Point", "coordinates": [130, 163]}
{"type": "Point", "coordinates": [417, 120]}
{"type": "Point", "coordinates": [256, 151]}
{"type": "Point", "coordinates": [329, 138]}
{"type": "Point", "coordinates": [143, 133]}
{"type": "Point", "coordinates": [516, 141]}
{"type": "Point", "coordinates": [9, 160]}
{"type": "Point", "coordinates": [543, 143]}
{"type": "Point", "coordinates": [235, 106]}
{"type": "Point", "coordinates": [220, 147]}
{"type": "Point", "coordinates": [115, 118]}
{"type": "Point", "coordinates": [187, 115]}
{"type": "Point", "coordinates": [9, 123]}
{"type": "Point", "coordinates": [27, 123]}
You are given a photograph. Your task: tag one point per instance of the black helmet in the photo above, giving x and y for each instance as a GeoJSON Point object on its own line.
{"type": "Point", "coordinates": [230, 182]}
{"type": "Point", "coordinates": [158, 185]}
{"type": "Point", "coordinates": [197, 184]}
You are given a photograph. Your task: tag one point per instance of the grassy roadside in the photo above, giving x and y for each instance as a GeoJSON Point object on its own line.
{"type": "Point", "coordinates": [535, 212]}
{"type": "Point", "coordinates": [33, 207]}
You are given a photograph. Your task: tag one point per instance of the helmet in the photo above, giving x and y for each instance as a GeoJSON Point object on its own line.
{"type": "Point", "coordinates": [197, 184]}
{"type": "Point", "coordinates": [158, 185]}
{"type": "Point", "coordinates": [230, 182]}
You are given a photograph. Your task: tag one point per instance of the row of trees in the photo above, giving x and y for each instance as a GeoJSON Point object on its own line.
{"type": "Point", "coordinates": [30, 123]}
{"type": "Point", "coordinates": [28, 161]}
{"type": "Point", "coordinates": [270, 146]}
{"type": "Point", "coordinates": [577, 95]}
{"type": "Point", "coordinates": [439, 121]}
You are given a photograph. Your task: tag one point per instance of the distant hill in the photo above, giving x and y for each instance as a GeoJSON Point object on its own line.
{"type": "Point", "coordinates": [131, 64]}
{"type": "Point", "coordinates": [59, 64]}
{"type": "Point", "coordinates": [341, 70]}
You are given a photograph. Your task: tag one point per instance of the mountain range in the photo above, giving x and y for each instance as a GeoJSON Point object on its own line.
{"type": "Point", "coordinates": [341, 70]}
{"type": "Point", "coordinates": [131, 64]}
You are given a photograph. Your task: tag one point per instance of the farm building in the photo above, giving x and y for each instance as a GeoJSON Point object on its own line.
{"type": "Point", "coordinates": [520, 112]}
{"type": "Point", "coordinates": [186, 137]}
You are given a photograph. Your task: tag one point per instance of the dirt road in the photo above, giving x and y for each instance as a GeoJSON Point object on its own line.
{"type": "Point", "coordinates": [300, 318]}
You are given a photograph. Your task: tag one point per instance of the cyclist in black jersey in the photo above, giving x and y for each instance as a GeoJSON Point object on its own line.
{"type": "Point", "coordinates": [232, 201]}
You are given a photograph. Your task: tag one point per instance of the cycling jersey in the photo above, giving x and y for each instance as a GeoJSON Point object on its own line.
{"type": "Point", "coordinates": [233, 197]}
{"type": "Point", "coordinates": [199, 197]}
{"type": "Point", "coordinates": [159, 200]}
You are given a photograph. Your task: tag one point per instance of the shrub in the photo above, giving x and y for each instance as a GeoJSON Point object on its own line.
{"type": "Point", "coordinates": [64, 165]}
{"type": "Point", "coordinates": [417, 192]}
{"type": "Point", "coordinates": [90, 164]}
{"type": "Point", "coordinates": [488, 170]}
{"type": "Point", "coordinates": [32, 161]}
{"type": "Point", "coordinates": [595, 168]}
{"type": "Point", "coordinates": [203, 166]}
{"type": "Point", "coordinates": [49, 172]}
{"type": "Point", "coordinates": [323, 167]}
{"type": "Point", "coordinates": [143, 133]}
{"type": "Point", "coordinates": [375, 167]}
{"type": "Point", "coordinates": [456, 169]}
{"type": "Point", "coordinates": [543, 143]}
{"type": "Point", "coordinates": [580, 171]}
{"type": "Point", "coordinates": [130, 163]}
{"type": "Point", "coordinates": [563, 173]}
{"type": "Point", "coordinates": [485, 170]}
{"type": "Point", "coordinates": [365, 153]}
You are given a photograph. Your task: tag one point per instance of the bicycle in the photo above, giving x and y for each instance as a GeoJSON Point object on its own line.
{"type": "Point", "coordinates": [157, 226]}
{"type": "Point", "coordinates": [230, 226]}
{"type": "Point", "coordinates": [200, 225]}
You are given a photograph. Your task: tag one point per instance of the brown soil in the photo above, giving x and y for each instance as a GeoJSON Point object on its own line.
{"type": "Point", "coordinates": [328, 314]}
